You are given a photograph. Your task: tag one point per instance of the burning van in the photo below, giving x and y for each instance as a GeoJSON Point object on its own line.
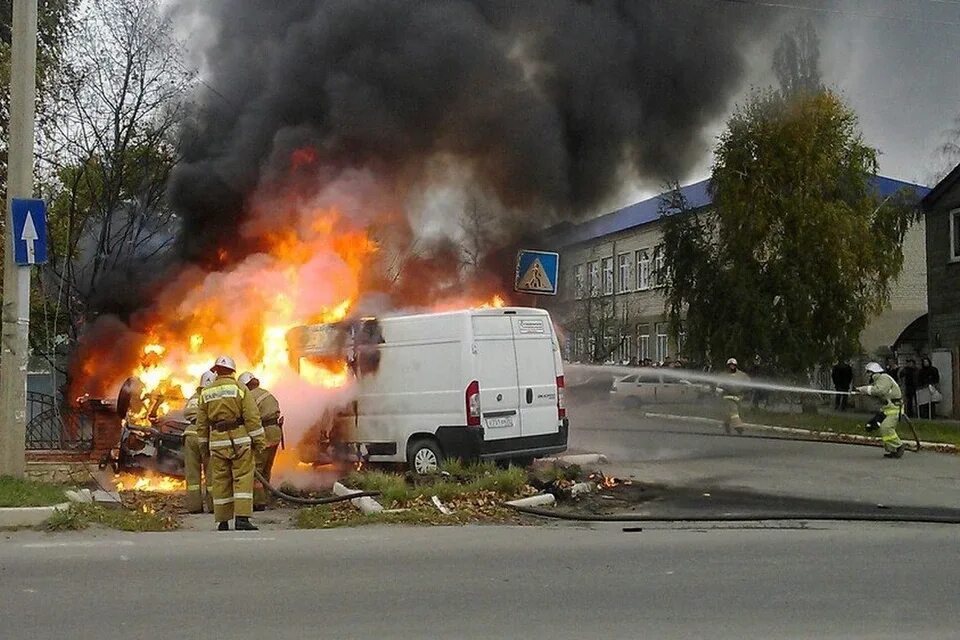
{"type": "Point", "coordinates": [471, 384]}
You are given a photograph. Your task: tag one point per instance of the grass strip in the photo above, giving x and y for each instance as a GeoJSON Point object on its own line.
{"type": "Point", "coordinates": [17, 492]}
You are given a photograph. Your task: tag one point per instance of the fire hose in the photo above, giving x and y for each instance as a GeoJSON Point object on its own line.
{"type": "Point", "coordinates": [310, 501]}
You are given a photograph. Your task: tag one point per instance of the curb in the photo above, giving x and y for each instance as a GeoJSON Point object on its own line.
{"type": "Point", "coordinates": [27, 516]}
{"type": "Point", "coordinates": [808, 434]}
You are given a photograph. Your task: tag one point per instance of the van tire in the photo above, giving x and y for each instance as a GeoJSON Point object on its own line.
{"type": "Point", "coordinates": [424, 456]}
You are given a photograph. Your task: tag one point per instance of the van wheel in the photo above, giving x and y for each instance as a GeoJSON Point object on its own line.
{"type": "Point", "coordinates": [424, 456]}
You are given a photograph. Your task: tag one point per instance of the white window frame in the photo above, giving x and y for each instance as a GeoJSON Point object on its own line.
{"type": "Point", "coordinates": [623, 271]}
{"type": "Point", "coordinates": [594, 278]}
{"type": "Point", "coordinates": [606, 268]}
{"type": "Point", "coordinates": [643, 269]}
{"type": "Point", "coordinates": [657, 276]}
{"type": "Point", "coordinates": [663, 342]}
{"type": "Point", "coordinates": [578, 281]}
{"type": "Point", "coordinates": [643, 341]}
{"type": "Point", "coordinates": [955, 235]}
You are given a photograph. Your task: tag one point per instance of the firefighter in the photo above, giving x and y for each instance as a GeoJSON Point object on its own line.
{"type": "Point", "coordinates": [883, 386]}
{"type": "Point", "coordinates": [196, 454]}
{"type": "Point", "coordinates": [227, 415]}
{"type": "Point", "coordinates": [731, 394]}
{"type": "Point", "coordinates": [272, 423]}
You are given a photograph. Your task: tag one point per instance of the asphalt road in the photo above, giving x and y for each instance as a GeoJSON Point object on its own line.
{"type": "Point", "coordinates": [839, 581]}
{"type": "Point", "coordinates": [682, 453]}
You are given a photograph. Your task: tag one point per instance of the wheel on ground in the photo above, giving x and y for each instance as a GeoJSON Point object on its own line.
{"type": "Point", "coordinates": [424, 456]}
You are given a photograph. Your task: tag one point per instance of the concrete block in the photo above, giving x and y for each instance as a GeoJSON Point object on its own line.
{"type": "Point", "coordinates": [27, 516]}
{"type": "Point", "coordinates": [365, 504]}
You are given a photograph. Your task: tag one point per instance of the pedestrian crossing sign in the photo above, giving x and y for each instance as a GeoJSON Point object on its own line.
{"type": "Point", "coordinates": [537, 272]}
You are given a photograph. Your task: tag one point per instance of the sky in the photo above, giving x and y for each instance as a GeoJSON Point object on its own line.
{"type": "Point", "coordinates": [896, 62]}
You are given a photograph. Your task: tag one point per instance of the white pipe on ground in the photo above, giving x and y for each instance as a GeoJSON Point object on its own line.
{"type": "Point", "coordinates": [540, 500]}
{"type": "Point", "coordinates": [365, 504]}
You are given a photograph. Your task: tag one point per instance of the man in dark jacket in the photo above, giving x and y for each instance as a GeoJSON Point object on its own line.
{"type": "Point", "coordinates": [908, 382]}
{"type": "Point", "coordinates": [842, 376]}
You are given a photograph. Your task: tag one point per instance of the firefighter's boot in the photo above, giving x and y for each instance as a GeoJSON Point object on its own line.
{"type": "Point", "coordinates": [223, 526]}
{"type": "Point", "coordinates": [242, 523]}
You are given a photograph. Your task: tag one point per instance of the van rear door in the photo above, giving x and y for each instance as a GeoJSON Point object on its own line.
{"type": "Point", "coordinates": [537, 375]}
{"type": "Point", "coordinates": [497, 372]}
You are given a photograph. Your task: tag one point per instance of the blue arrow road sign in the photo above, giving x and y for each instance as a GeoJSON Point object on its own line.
{"type": "Point", "coordinates": [537, 272]}
{"type": "Point", "coordinates": [29, 231]}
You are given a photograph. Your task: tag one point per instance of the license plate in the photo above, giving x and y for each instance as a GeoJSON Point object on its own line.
{"type": "Point", "coordinates": [499, 422]}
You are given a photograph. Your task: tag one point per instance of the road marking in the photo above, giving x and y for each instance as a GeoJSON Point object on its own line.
{"type": "Point", "coordinates": [88, 543]}
{"type": "Point", "coordinates": [245, 539]}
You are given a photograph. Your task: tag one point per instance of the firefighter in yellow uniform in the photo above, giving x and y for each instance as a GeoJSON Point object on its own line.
{"type": "Point", "coordinates": [228, 417]}
{"type": "Point", "coordinates": [270, 418]}
{"type": "Point", "coordinates": [196, 453]}
{"type": "Point", "coordinates": [886, 389]}
{"type": "Point", "coordinates": [732, 393]}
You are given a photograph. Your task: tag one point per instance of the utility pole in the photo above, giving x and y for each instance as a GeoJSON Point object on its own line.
{"type": "Point", "coordinates": [14, 355]}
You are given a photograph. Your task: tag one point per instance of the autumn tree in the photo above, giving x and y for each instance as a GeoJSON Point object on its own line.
{"type": "Point", "coordinates": [797, 252]}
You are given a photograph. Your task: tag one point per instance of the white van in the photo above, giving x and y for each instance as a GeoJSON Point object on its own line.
{"type": "Point", "coordinates": [474, 384]}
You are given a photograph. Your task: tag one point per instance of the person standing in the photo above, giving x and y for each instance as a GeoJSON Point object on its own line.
{"type": "Point", "coordinates": [272, 422]}
{"type": "Point", "coordinates": [928, 380]}
{"type": "Point", "coordinates": [883, 387]}
{"type": "Point", "coordinates": [908, 382]}
{"type": "Point", "coordinates": [842, 376]}
{"type": "Point", "coordinates": [731, 393]}
{"type": "Point", "coordinates": [196, 453]}
{"type": "Point", "coordinates": [227, 416]}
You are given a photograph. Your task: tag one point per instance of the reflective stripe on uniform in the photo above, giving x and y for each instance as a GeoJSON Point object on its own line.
{"type": "Point", "coordinates": [891, 410]}
{"type": "Point", "coordinates": [220, 444]}
{"type": "Point", "coordinates": [193, 487]}
{"type": "Point", "coordinates": [222, 500]}
{"type": "Point", "coordinates": [204, 440]}
{"type": "Point", "coordinates": [890, 438]}
{"type": "Point", "coordinates": [257, 432]}
{"type": "Point", "coordinates": [734, 398]}
{"type": "Point", "coordinates": [221, 391]}
{"type": "Point", "coordinates": [240, 495]}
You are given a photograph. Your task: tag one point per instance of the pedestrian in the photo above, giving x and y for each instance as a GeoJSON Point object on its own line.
{"type": "Point", "coordinates": [908, 382]}
{"type": "Point", "coordinates": [759, 395]}
{"type": "Point", "coordinates": [731, 393]}
{"type": "Point", "coordinates": [228, 417]}
{"type": "Point", "coordinates": [892, 367]}
{"type": "Point", "coordinates": [884, 387]}
{"type": "Point", "coordinates": [928, 381]}
{"type": "Point", "coordinates": [272, 422]}
{"type": "Point", "coordinates": [842, 376]}
{"type": "Point", "coordinates": [196, 454]}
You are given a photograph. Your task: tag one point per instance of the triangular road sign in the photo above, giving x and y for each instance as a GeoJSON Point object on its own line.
{"type": "Point", "coordinates": [535, 279]}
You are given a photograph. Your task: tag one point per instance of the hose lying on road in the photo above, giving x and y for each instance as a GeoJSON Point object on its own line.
{"type": "Point", "coordinates": [310, 501]}
{"type": "Point", "coordinates": [733, 517]}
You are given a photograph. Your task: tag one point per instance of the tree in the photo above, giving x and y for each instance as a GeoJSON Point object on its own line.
{"type": "Point", "coordinates": [796, 60]}
{"type": "Point", "coordinates": [797, 252]}
{"type": "Point", "coordinates": [119, 105]}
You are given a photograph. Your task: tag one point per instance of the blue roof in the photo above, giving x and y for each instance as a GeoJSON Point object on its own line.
{"type": "Point", "coordinates": [697, 196]}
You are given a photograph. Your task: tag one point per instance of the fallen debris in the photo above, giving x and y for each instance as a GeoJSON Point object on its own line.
{"type": "Point", "coordinates": [365, 504]}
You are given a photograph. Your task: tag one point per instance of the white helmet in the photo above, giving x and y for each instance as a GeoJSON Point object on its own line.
{"type": "Point", "coordinates": [226, 362]}
{"type": "Point", "coordinates": [245, 377]}
{"type": "Point", "coordinates": [873, 367]}
{"type": "Point", "coordinates": [207, 379]}
{"type": "Point", "coordinates": [732, 361]}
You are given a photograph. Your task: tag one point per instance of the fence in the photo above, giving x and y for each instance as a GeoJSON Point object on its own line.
{"type": "Point", "coordinates": [54, 427]}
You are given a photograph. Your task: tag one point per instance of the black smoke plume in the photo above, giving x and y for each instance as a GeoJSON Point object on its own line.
{"type": "Point", "coordinates": [547, 104]}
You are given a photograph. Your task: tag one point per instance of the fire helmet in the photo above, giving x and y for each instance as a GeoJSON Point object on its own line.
{"type": "Point", "coordinates": [207, 379]}
{"type": "Point", "coordinates": [732, 361]}
{"type": "Point", "coordinates": [246, 377]}
{"type": "Point", "coordinates": [873, 367]}
{"type": "Point", "coordinates": [225, 362]}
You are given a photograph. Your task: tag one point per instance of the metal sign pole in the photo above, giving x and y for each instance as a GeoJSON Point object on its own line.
{"type": "Point", "coordinates": [14, 355]}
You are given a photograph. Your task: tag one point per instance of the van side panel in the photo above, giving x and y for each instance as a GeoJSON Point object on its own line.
{"type": "Point", "coordinates": [537, 375]}
{"type": "Point", "coordinates": [496, 366]}
{"type": "Point", "coordinates": [420, 383]}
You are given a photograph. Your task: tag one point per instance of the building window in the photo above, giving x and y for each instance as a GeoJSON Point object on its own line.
{"type": "Point", "coordinates": [578, 281]}
{"type": "Point", "coordinates": [643, 341]}
{"type": "Point", "coordinates": [607, 276]}
{"type": "Point", "coordinates": [663, 342]}
{"type": "Point", "coordinates": [594, 278]}
{"type": "Point", "coordinates": [658, 276]}
{"type": "Point", "coordinates": [955, 235]}
{"type": "Point", "coordinates": [623, 266]}
{"type": "Point", "coordinates": [643, 269]}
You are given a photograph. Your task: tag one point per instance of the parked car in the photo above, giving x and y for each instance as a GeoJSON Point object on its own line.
{"type": "Point", "coordinates": [655, 388]}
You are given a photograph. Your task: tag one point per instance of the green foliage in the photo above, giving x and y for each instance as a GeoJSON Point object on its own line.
{"type": "Point", "coordinates": [16, 492]}
{"type": "Point", "coordinates": [80, 516]}
{"type": "Point", "coordinates": [462, 480]}
{"type": "Point", "coordinates": [797, 252]}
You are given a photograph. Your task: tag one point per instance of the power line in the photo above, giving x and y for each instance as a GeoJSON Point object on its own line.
{"type": "Point", "coordinates": [839, 12]}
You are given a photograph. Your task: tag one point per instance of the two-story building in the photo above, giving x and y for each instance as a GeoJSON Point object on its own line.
{"type": "Point", "coordinates": [611, 302]}
{"type": "Point", "coordinates": [942, 213]}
